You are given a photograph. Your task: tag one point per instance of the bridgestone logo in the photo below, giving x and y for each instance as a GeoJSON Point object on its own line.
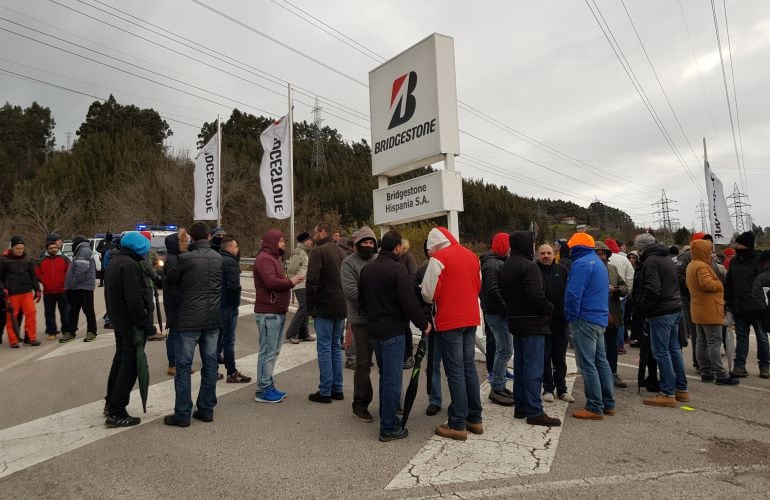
{"type": "Point", "coordinates": [210, 177]}
{"type": "Point", "coordinates": [406, 136]}
{"type": "Point", "coordinates": [276, 175]}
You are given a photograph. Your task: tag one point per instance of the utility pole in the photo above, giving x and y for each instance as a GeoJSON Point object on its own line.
{"type": "Point", "coordinates": [703, 216]}
{"type": "Point", "coordinates": [739, 210]}
{"type": "Point", "coordinates": [69, 136]}
{"type": "Point", "coordinates": [664, 211]}
{"type": "Point", "coordinates": [319, 158]}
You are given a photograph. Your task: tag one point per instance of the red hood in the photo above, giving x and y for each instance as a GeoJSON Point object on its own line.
{"type": "Point", "coordinates": [612, 245]}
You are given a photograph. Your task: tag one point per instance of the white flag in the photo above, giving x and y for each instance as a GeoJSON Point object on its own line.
{"type": "Point", "coordinates": [275, 171]}
{"type": "Point", "coordinates": [206, 181]}
{"type": "Point", "coordinates": [721, 226]}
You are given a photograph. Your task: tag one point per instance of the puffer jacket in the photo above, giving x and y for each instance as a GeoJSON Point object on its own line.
{"type": "Point", "coordinates": [707, 305]}
{"type": "Point", "coordinates": [125, 292]}
{"type": "Point", "coordinates": [325, 297]}
{"type": "Point", "coordinates": [656, 289]}
{"type": "Point", "coordinates": [81, 274]}
{"type": "Point", "coordinates": [300, 258]}
{"type": "Point", "coordinates": [51, 272]}
{"type": "Point", "coordinates": [492, 301]}
{"type": "Point", "coordinates": [527, 307]}
{"type": "Point", "coordinates": [198, 279]}
{"type": "Point", "coordinates": [272, 287]}
{"type": "Point", "coordinates": [170, 293]}
{"type": "Point", "coordinates": [743, 269]}
{"type": "Point", "coordinates": [587, 294]}
{"type": "Point", "coordinates": [760, 293]}
{"type": "Point", "coordinates": [554, 285]}
{"type": "Point", "coordinates": [17, 274]}
{"type": "Point", "coordinates": [231, 280]}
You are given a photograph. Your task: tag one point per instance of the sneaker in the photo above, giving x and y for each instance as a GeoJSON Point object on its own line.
{"type": "Point", "coordinates": [444, 430]}
{"type": "Point", "coordinates": [157, 336]}
{"type": "Point", "coordinates": [548, 397]}
{"type": "Point", "coordinates": [90, 337]}
{"type": "Point", "coordinates": [728, 381]}
{"type": "Point", "coordinates": [509, 374]}
{"type": "Point", "coordinates": [584, 414]}
{"type": "Point", "coordinates": [67, 337]}
{"type": "Point", "coordinates": [309, 338]}
{"type": "Point", "coordinates": [280, 393]}
{"type": "Point", "coordinates": [501, 398]}
{"type": "Point", "coordinates": [409, 363]}
{"type": "Point", "coordinates": [127, 421]}
{"type": "Point", "coordinates": [197, 415]}
{"type": "Point", "coordinates": [171, 371]}
{"type": "Point", "coordinates": [173, 422]}
{"type": "Point", "coordinates": [237, 378]}
{"type": "Point", "coordinates": [661, 400]}
{"type": "Point", "coordinates": [432, 410]}
{"type": "Point", "coordinates": [338, 396]}
{"type": "Point", "coordinates": [682, 396]}
{"type": "Point", "coordinates": [706, 378]}
{"type": "Point", "coordinates": [474, 427]}
{"type": "Point", "coordinates": [363, 414]}
{"type": "Point", "coordinates": [317, 397]}
{"type": "Point", "coordinates": [619, 381]}
{"type": "Point", "coordinates": [739, 372]}
{"type": "Point", "coordinates": [294, 340]}
{"type": "Point", "coordinates": [566, 396]}
{"type": "Point", "coordinates": [392, 436]}
{"type": "Point", "coordinates": [544, 420]}
{"type": "Point", "coordinates": [268, 396]}
{"type": "Point", "coordinates": [34, 343]}
{"type": "Point", "coordinates": [764, 372]}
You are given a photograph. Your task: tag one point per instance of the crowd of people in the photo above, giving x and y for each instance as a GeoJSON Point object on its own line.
{"type": "Point", "coordinates": [535, 302]}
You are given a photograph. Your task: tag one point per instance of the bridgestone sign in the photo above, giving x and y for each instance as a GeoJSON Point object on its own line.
{"type": "Point", "coordinates": [428, 196]}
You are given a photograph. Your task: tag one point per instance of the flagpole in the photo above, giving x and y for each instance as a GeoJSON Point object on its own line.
{"type": "Point", "coordinates": [705, 153]}
{"type": "Point", "coordinates": [219, 172]}
{"type": "Point", "coordinates": [291, 169]}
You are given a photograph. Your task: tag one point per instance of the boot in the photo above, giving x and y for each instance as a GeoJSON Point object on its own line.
{"type": "Point", "coordinates": [444, 430]}
{"type": "Point", "coordinates": [661, 400]}
{"type": "Point", "coordinates": [619, 381]}
{"type": "Point", "coordinates": [764, 372]}
{"type": "Point", "coordinates": [474, 428]}
{"type": "Point", "coordinates": [682, 396]}
{"type": "Point", "coordinates": [584, 414]}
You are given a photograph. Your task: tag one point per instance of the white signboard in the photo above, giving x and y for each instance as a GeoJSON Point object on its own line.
{"type": "Point", "coordinates": [428, 196]}
{"type": "Point", "coordinates": [413, 105]}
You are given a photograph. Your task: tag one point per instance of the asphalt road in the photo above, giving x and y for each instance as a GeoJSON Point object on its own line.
{"type": "Point", "coordinates": [53, 443]}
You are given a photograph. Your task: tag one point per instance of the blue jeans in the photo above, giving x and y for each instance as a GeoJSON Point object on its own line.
{"type": "Point", "coordinates": [185, 349]}
{"type": "Point", "coordinates": [171, 347]}
{"type": "Point", "coordinates": [434, 373]}
{"type": "Point", "coordinates": [270, 340]}
{"type": "Point", "coordinates": [664, 341]}
{"type": "Point", "coordinates": [591, 358]}
{"type": "Point", "coordinates": [390, 360]}
{"type": "Point", "coordinates": [529, 354]}
{"type": "Point", "coordinates": [229, 317]}
{"type": "Point", "coordinates": [743, 326]}
{"type": "Point", "coordinates": [503, 349]}
{"type": "Point", "coordinates": [329, 347]}
{"type": "Point", "coordinates": [458, 350]}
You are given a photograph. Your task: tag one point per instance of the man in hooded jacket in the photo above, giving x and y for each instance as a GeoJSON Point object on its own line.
{"type": "Point", "coordinates": [80, 283]}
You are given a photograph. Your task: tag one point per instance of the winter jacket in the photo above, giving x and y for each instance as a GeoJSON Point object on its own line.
{"type": "Point", "coordinates": [740, 278]}
{"type": "Point", "coordinates": [170, 293]}
{"type": "Point", "coordinates": [81, 274]}
{"type": "Point", "coordinates": [657, 289]}
{"type": "Point", "coordinates": [682, 261]}
{"type": "Point", "coordinates": [298, 264]}
{"type": "Point", "coordinates": [564, 258]}
{"type": "Point", "coordinates": [527, 307]}
{"type": "Point", "coordinates": [625, 269]}
{"type": "Point", "coordinates": [387, 297]}
{"type": "Point", "coordinates": [273, 288]}
{"type": "Point", "coordinates": [707, 305]}
{"type": "Point", "coordinates": [51, 272]}
{"type": "Point", "coordinates": [587, 293]}
{"type": "Point", "coordinates": [17, 274]}
{"type": "Point", "coordinates": [554, 285]}
{"type": "Point", "coordinates": [492, 301]}
{"type": "Point", "coordinates": [350, 272]}
{"type": "Point", "coordinates": [760, 294]}
{"type": "Point", "coordinates": [615, 319]}
{"type": "Point", "coordinates": [452, 282]}
{"type": "Point", "coordinates": [231, 281]}
{"type": "Point", "coordinates": [198, 279]}
{"type": "Point", "coordinates": [410, 262]}
{"type": "Point", "coordinates": [324, 284]}
{"type": "Point", "coordinates": [125, 292]}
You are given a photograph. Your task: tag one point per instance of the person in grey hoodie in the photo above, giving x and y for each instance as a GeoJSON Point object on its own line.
{"type": "Point", "coordinates": [300, 257]}
{"type": "Point", "coordinates": [365, 245]}
{"type": "Point", "coordinates": [79, 285]}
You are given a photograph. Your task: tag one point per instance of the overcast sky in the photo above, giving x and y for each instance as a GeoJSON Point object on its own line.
{"type": "Point", "coordinates": [544, 69]}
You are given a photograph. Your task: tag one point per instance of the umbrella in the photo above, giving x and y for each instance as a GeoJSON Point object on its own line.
{"type": "Point", "coordinates": [157, 308]}
{"type": "Point", "coordinates": [142, 370]}
{"type": "Point", "coordinates": [14, 318]}
{"type": "Point", "coordinates": [414, 382]}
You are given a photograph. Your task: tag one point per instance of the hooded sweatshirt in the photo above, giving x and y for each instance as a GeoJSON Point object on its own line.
{"type": "Point", "coordinates": [621, 262]}
{"type": "Point", "coordinates": [350, 272]}
{"type": "Point", "coordinates": [707, 305]}
{"type": "Point", "coordinates": [452, 282]}
{"type": "Point", "coordinates": [81, 274]}
{"type": "Point", "coordinates": [273, 288]}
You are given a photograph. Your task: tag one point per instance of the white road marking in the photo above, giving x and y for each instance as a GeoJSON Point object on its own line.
{"type": "Point", "coordinates": [508, 448]}
{"type": "Point", "coordinates": [30, 443]}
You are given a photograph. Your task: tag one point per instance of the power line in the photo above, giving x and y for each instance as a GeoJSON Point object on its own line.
{"type": "Point", "coordinates": [319, 157]}
{"type": "Point", "coordinates": [702, 214]}
{"type": "Point", "coordinates": [666, 221]}
{"type": "Point", "coordinates": [735, 98]}
{"type": "Point", "coordinates": [739, 210]}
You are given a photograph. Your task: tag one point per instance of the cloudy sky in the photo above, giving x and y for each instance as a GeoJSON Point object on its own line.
{"type": "Point", "coordinates": [547, 107]}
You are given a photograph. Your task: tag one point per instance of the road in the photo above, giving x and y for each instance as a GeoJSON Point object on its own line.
{"type": "Point", "coordinates": [53, 443]}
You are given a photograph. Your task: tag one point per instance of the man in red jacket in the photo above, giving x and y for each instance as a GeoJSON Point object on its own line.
{"type": "Point", "coordinates": [273, 290]}
{"type": "Point", "coordinates": [51, 272]}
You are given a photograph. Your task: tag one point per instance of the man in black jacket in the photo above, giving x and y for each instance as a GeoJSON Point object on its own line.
{"type": "Point", "coordinates": [125, 296]}
{"type": "Point", "coordinates": [198, 279]}
{"type": "Point", "coordinates": [760, 293]}
{"type": "Point", "coordinates": [740, 278]}
{"type": "Point", "coordinates": [528, 310]}
{"type": "Point", "coordinates": [386, 294]}
{"type": "Point", "coordinates": [657, 297]}
{"type": "Point", "coordinates": [231, 300]}
{"type": "Point", "coordinates": [555, 359]}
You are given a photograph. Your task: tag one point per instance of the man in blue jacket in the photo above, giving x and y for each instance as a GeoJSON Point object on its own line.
{"type": "Point", "coordinates": [586, 307]}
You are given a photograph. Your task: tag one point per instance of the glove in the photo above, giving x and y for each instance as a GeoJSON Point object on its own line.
{"type": "Point", "coordinates": [37, 296]}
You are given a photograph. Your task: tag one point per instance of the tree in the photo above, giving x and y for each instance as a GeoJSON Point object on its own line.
{"type": "Point", "coordinates": [112, 118]}
{"type": "Point", "coordinates": [682, 236]}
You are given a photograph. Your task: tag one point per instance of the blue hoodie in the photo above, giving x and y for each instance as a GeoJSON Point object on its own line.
{"type": "Point", "coordinates": [588, 285]}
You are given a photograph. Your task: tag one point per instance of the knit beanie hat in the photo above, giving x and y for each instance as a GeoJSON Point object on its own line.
{"type": "Point", "coordinates": [135, 242]}
{"type": "Point", "coordinates": [746, 239]}
{"type": "Point", "coordinates": [16, 240]}
{"type": "Point", "coordinates": [644, 241]}
{"type": "Point", "coordinates": [582, 240]}
{"type": "Point", "coordinates": [52, 237]}
{"type": "Point", "coordinates": [501, 243]}
{"type": "Point", "coordinates": [697, 236]}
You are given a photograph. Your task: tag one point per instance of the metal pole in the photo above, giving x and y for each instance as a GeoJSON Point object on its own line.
{"type": "Point", "coordinates": [705, 153]}
{"type": "Point", "coordinates": [291, 169]}
{"type": "Point", "coordinates": [453, 223]}
{"type": "Point", "coordinates": [382, 182]}
{"type": "Point", "coordinates": [219, 172]}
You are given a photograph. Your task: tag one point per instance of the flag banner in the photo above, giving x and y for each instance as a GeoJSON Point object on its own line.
{"type": "Point", "coordinates": [721, 226]}
{"type": "Point", "coordinates": [275, 171]}
{"type": "Point", "coordinates": [206, 181]}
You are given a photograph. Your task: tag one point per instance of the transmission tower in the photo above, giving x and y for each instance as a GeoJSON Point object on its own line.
{"type": "Point", "coordinates": [319, 158]}
{"type": "Point", "coordinates": [703, 216]}
{"type": "Point", "coordinates": [664, 212]}
{"type": "Point", "coordinates": [69, 136]}
{"type": "Point", "coordinates": [739, 210]}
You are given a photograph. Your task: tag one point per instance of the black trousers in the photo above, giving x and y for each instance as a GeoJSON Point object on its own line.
{"type": "Point", "coordinates": [81, 299]}
{"type": "Point", "coordinates": [611, 348]}
{"type": "Point", "coordinates": [122, 373]}
{"type": "Point", "coordinates": [363, 393]}
{"type": "Point", "coordinates": [555, 362]}
{"type": "Point", "coordinates": [491, 347]}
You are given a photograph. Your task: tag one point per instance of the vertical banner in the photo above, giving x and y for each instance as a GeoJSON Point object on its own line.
{"type": "Point", "coordinates": [206, 181]}
{"type": "Point", "coordinates": [721, 226]}
{"type": "Point", "coordinates": [275, 171]}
